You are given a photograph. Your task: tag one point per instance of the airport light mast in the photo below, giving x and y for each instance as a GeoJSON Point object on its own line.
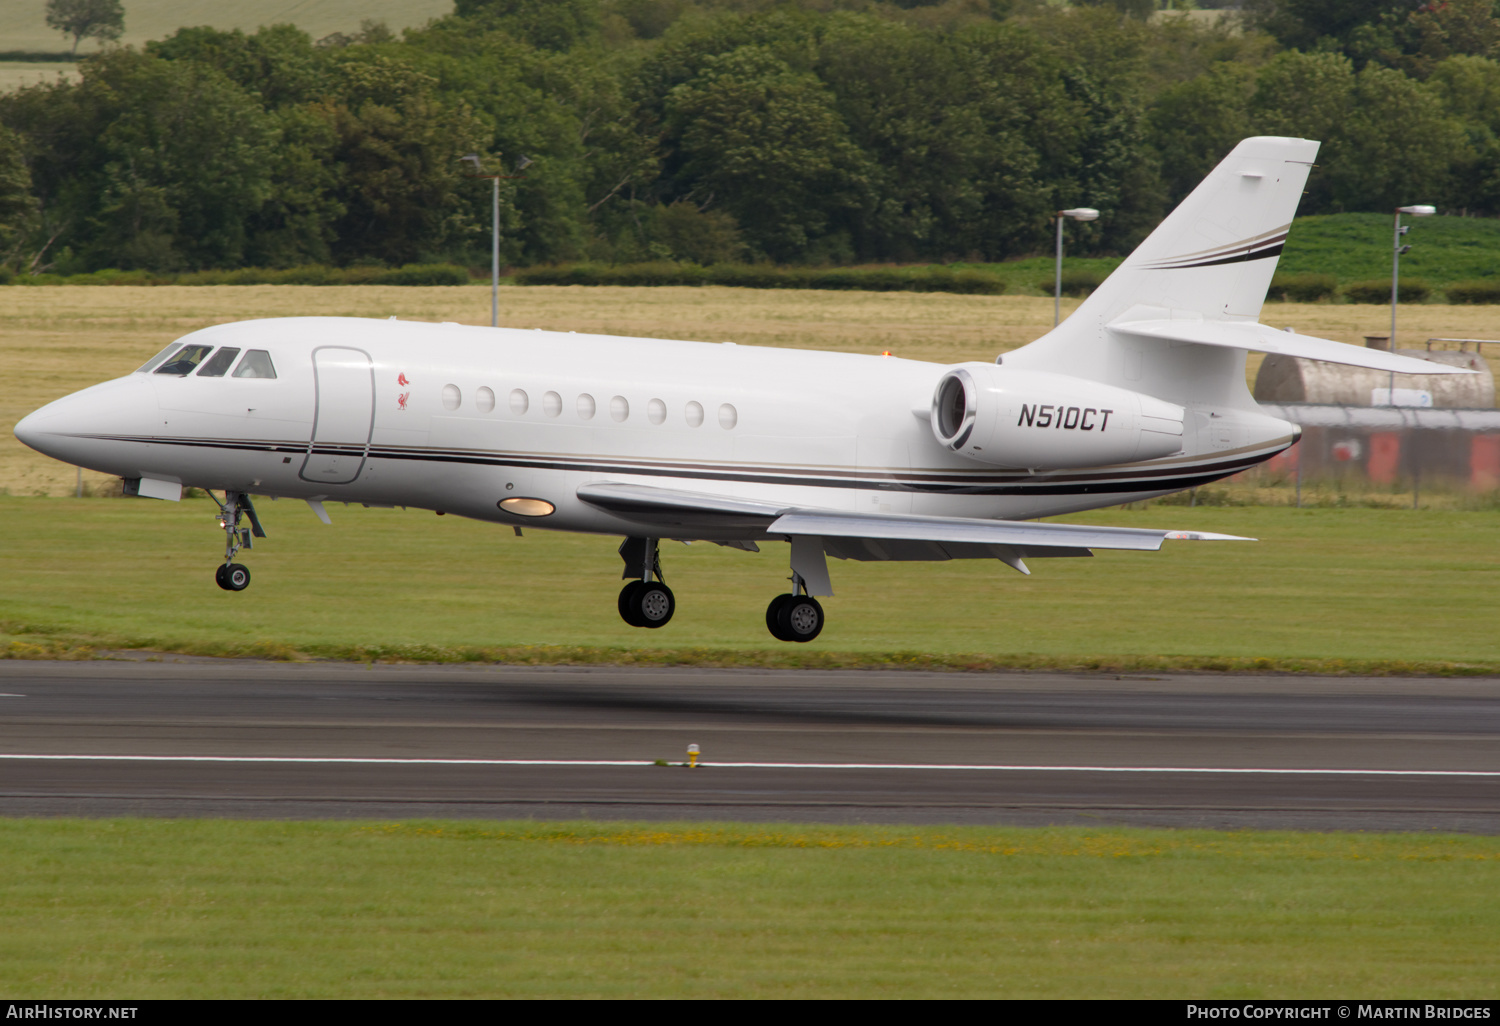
{"type": "Point", "coordinates": [521, 165]}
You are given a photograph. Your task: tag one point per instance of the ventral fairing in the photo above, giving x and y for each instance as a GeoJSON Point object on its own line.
{"type": "Point", "coordinates": [1141, 392]}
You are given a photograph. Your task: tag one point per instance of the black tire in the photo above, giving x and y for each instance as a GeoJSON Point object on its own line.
{"type": "Point", "coordinates": [219, 575]}
{"type": "Point", "coordinates": [773, 612]}
{"type": "Point", "coordinates": [627, 609]}
{"type": "Point", "coordinates": [236, 577]}
{"type": "Point", "coordinates": [800, 619]}
{"type": "Point", "coordinates": [652, 605]}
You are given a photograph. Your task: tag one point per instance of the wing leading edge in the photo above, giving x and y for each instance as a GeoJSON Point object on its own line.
{"type": "Point", "coordinates": [876, 536]}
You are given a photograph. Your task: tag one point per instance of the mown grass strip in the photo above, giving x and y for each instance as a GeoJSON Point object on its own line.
{"type": "Point", "coordinates": [25, 641]}
{"type": "Point", "coordinates": [1342, 591]}
{"type": "Point", "coordinates": [130, 908]}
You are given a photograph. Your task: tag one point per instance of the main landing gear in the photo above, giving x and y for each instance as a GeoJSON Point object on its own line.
{"type": "Point", "coordinates": [795, 617]}
{"type": "Point", "coordinates": [646, 601]}
{"type": "Point", "coordinates": [232, 576]}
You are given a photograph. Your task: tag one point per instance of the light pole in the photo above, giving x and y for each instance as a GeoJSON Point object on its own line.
{"type": "Point", "coordinates": [1419, 210]}
{"type": "Point", "coordinates": [1077, 214]}
{"type": "Point", "coordinates": [1397, 249]}
{"type": "Point", "coordinates": [521, 165]}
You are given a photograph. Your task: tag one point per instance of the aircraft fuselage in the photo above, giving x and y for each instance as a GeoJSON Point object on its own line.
{"type": "Point", "coordinates": [460, 419]}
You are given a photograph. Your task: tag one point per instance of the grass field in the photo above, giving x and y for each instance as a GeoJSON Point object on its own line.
{"type": "Point", "coordinates": [1357, 247]}
{"type": "Point", "coordinates": [1351, 247]}
{"type": "Point", "coordinates": [130, 909]}
{"type": "Point", "coordinates": [1332, 590]}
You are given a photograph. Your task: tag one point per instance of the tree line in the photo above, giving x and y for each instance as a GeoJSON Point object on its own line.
{"type": "Point", "coordinates": [819, 132]}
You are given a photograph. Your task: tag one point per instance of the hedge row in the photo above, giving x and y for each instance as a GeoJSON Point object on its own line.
{"type": "Point", "coordinates": [765, 276]}
{"type": "Point", "coordinates": [316, 274]}
{"type": "Point", "coordinates": [1298, 288]}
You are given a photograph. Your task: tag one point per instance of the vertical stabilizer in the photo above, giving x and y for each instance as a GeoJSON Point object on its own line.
{"type": "Point", "coordinates": [1211, 260]}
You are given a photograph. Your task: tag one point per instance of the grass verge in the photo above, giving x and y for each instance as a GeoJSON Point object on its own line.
{"type": "Point", "coordinates": [213, 909]}
{"type": "Point", "coordinates": [1345, 591]}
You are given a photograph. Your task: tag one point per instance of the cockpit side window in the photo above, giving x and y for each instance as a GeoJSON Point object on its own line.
{"type": "Point", "coordinates": [185, 360]}
{"type": "Point", "coordinates": [219, 362]}
{"type": "Point", "coordinates": [256, 364]}
{"type": "Point", "coordinates": [151, 364]}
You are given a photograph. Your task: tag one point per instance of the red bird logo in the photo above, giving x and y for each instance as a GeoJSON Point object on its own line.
{"type": "Point", "coordinates": [401, 399]}
{"type": "Point", "coordinates": [401, 380]}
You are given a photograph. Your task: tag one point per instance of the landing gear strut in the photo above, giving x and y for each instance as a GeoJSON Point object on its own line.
{"type": "Point", "coordinates": [232, 576]}
{"type": "Point", "coordinates": [646, 601]}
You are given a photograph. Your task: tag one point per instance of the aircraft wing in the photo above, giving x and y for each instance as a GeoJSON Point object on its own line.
{"type": "Point", "coordinates": [880, 536]}
{"type": "Point", "coordinates": [1265, 339]}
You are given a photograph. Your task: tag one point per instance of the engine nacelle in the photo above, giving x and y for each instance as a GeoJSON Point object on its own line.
{"type": "Point", "coordinates": [1037, 420]}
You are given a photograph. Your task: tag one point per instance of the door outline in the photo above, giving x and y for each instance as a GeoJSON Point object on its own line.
{"type": "Point", "coordinates": [317, 413]}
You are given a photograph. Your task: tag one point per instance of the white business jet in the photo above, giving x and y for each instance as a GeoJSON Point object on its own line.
{"type": "Point", "coordinates": [1141, 392]}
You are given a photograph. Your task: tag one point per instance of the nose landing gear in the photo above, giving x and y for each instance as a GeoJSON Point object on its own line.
{"type": "Point", "coordinates": [232, 576]}
{"type": "Point", "coordinates": [644, 602]}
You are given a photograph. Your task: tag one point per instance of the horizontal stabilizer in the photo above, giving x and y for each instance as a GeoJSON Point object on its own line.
{"type": "Point", "coordinates": [1265, 339]}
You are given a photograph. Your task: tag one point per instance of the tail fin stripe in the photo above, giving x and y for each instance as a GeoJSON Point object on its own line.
{"type": "Point", "coordinates": [1274, 249]}
{"type": "Point", "coordinates": [1275, 236]}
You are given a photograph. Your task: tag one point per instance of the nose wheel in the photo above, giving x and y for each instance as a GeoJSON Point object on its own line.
{"type": "Point", "coordinates": [236, 507]}
{"type": "Point", "coordinates": [233, 577]}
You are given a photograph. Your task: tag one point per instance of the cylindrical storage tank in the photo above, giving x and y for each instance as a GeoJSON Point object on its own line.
{"type": "Point", "coordinates": [1288, 379]}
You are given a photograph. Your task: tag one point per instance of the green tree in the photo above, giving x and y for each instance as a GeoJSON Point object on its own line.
{"type": "Point", "coordinates": [941, 124]}
{"type": "Point", "coordinates": [1194, 124]}
{"type": "Point", "coordinates": [398, 144]}
{"type": "Point", "coordinates": [278, 63]}
{"type": "Point", "coordinates": [85, 19]}
{"type": "Point", "coordinates": [546, 24]}
{"type": "Point", "coordinates": [1386, 139]}
{"type": "Point", "coordinates": [766, 143]}
{"type": "Point", "coordinates": [18, 207]}
{"type": "Point", "coordinates": [1327, 24]}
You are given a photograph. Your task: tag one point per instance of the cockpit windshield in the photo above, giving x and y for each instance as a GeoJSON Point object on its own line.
{"type": "Point", "coordinates": [151, 364]}
{"type": "Point", "coordinates": [219, 362]}
{"type": "Point", "coordinates": [185, 360]}
{"type": "Point", "coordinates": [256, 364]}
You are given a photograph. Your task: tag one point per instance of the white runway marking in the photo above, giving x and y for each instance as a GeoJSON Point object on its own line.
{"type": "Point", "coordinates": [1001, 768]}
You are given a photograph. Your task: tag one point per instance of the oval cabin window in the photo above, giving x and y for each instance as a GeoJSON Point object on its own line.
{"type": "Point", "coordinates": [619, 408]}
{"type": "Point", "coordinates": [452, 397]}
{"type": "Point", "coordinates": [585, 407]}
{"type": "Point", "coordinates": [551, 404]}
{"type": "Point", "coordinates": [728, 416]}
{"type": "Point", "coordinates": [519, 401]}
{"type": "Point", "coordinates": [484, 399]}
{"type": "Point", "coordinates": [656, 411]}
{"type": "Point", "coordinates": [694, 414]}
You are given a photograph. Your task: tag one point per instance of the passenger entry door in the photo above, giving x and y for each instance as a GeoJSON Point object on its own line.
{"type": "Point", "coordinates": [343, 415]}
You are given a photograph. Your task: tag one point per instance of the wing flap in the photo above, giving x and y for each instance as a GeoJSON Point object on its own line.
{"type": "Point", "coordinates": [896, 528]}
{"type": "Point", "coordinates": [879, 536]}
{"type": "Point", "coordinates": [1265, 339]}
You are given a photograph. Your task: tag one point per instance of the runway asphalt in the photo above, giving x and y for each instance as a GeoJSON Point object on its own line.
{"type": "Point", "coordinates": [262, 740]}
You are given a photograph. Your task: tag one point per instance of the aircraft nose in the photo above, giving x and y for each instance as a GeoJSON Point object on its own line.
{"type": "Point", "coordinates": [64, 429]}
{"type": "Point", "coordinates": [46, 428]}
{"type": "Point", "coordinates": [28, 430]}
